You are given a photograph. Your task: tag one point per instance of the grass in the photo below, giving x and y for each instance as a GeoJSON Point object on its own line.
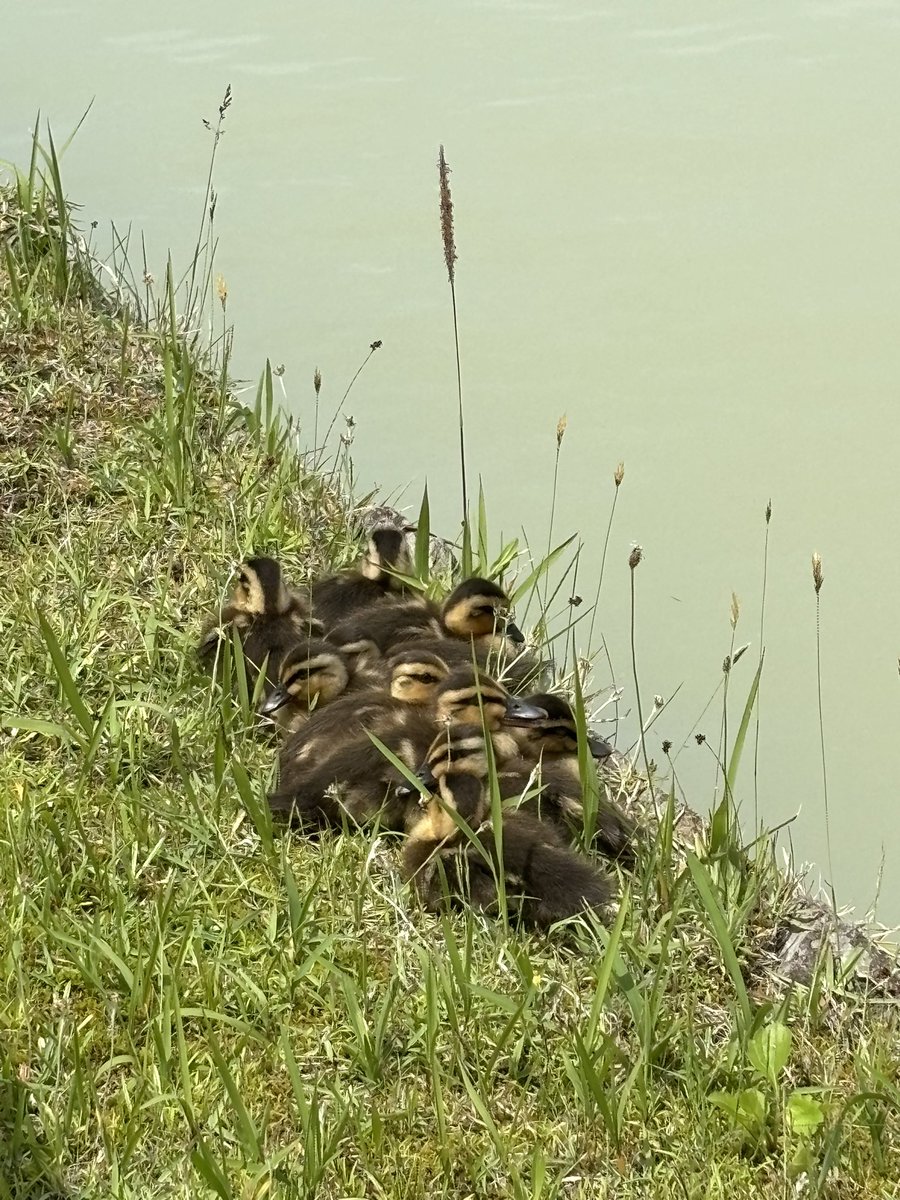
{"type": "Point", "coordinates": [195, 1005]}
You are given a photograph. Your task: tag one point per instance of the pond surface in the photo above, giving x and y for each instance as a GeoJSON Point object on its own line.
{"type": "Point", "coordinates": [681, 231]}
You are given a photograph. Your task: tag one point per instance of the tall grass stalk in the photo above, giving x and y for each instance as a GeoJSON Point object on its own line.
{"type": "Point", "coordinates": [450, 257]}
{"type": "Point", "coordinates": [618, 476]}
{"type": "Point", "coordinates": [560, 434]}
{"type": "Point", "coordinates": [762, 650]}
{"type": "Point", "coordinates": [818, 580]}
{"type": "Point", "coordinates": [204, 238]}
{"type": "Point", "coordinates": [376, 345]}
{"type": "Point", "coordinates": [634, 560]}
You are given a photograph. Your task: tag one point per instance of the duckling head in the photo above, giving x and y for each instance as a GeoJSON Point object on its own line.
{"type": "Point", "coordinates": [459, 748]}
{"type": "Point", "coordinates": [468, 696]}
{"type": "Point", "coordinates": [557, 733]}
{"type": "Point", "coordinates": [416, 675]}
{"type": "Point", "coordinates": [386, 556]}
{"type": "Point", "coordinates": [479, 608]}
{"type": "Point", "coordinates": [455, 768]}
{"type": "Point", "coordinates": [260, 589]}
{"type": "Point", "coordinates": [312, 674]}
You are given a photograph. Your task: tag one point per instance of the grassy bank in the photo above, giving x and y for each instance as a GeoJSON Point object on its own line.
{"type": "Point", "coordinates": [192, 1006]}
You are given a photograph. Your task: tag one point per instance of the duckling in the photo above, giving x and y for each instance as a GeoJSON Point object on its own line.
{"type": "Point", "coordinates": [549, 760]}
{"type": "Point", "coordinates": [479, 608]}
{"type": "Point", "coordinates": [269, 618]}
{"type": "Point", "coordinates": [476, 616]}
{"type": "Point", "coordinates": [414, 678]}
{"type": "Point", "coordinates": [374, 579]}
{"type": "Point", "coordinates": [544, 880]}
{"type": "Point", "coordinates": [313, 673]}
{"type": "Point", "coordinates": [369, 784]}
{"type": "Point", "coordinates": [382, 628]}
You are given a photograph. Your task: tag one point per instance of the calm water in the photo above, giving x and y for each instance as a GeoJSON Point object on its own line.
{"type": "Point", "coordinates": [683, 233]}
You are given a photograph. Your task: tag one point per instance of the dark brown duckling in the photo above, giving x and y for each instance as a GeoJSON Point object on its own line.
{"type": "Point", "coordinates": [374, 579]}
{"type": "Point", "coordinates": [268, 616]}
{"type": "Point", "coordinates": [369, 785]}
{"type": "Point", "coordinates": [381, 628]}
{"type": "Point", "coordinates": [475, 621]}
{"type": "Point", "coordinates": [414, 679]}
{"type": "Point", "coordinates": [545, 881]}
{"type": "Point", "coordinates": [547, 777]}
{"type": "Point", "coordinates": [313, 674]}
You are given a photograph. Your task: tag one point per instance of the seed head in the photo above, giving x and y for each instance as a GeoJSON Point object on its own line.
{"type": "Point", "coordinates": [447, 217]}
{"type": "Point", "coordinates": [735, 610]}
{"type": "Point", "coordinates": [769, 512]}
{"type": "Point", "coordinates": [561, 429]}
{"type": "Point", "coordinates": [637, 553]}
{"type": "Point", "coordinates": [818, 576]}
{"type": "Point", "coordinates": [699, 738]}
{"type": "Point", "coordinates": [222, 290]}
{"type": "Point", "coordinates": [619, 473]}
{"type": "Point", "coordinates": [666, 746]}
{"type": "Point", "coordinates": [317, 380]}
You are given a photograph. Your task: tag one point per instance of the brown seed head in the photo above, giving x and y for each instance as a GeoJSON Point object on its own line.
{"type": "Point", "coordinates": [818, 576]}
{"type": "Point", "coordinates": [637, 553]}
{"type": "Point", "coordinates": [561, 429]}
{"type": "Point", "coordinates": [317, 380]}
{"type": "Point", "coordinates": [450, 255]}
{"type": "Point", "coordinates": [619, 473]}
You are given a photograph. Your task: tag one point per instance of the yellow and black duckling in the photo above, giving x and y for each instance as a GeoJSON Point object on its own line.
{"type": "Point", "coordinates": [414, 679]}
{"type": "Point", "coordinates": [368, 783]}
{"type": "Point", "coordinates": [313, 674]}
{"type": "Point", "coordinates": [548, 779]}
{"type": "Point", "coordinates": [374, 579]}
{"type": "Point", "coordinates": [269, 617]}
{"type": "Point", "coordinates": [476, 617]}
{"type": "Point", "coordinates": [545, 881]}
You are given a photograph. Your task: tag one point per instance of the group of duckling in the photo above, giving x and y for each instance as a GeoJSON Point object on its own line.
{"type": "Point", "coordinates": [358, 663]}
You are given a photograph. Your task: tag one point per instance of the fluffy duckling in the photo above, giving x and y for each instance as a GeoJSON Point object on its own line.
{"type": "Point", "coordinates": [382, 628]}
{"type": "Point", "coordinates": [269, 618]}
{"type": "Point", "coordinates": [549, 763]}
{"type": "Point", "coordinates": [313, 673]}
{"type": "Point", "coordinates": [369, 784]}
{"type": "Point", "coordinates": [479, 608]}
{"type": "Point", "coordinates": [414, 679]}
{"type": "Point", "coordinates": [374, 578]}
{"type": "Point", "coordinates": [475, 617]}
{"type": "Point", "coordinates": [544, 880]}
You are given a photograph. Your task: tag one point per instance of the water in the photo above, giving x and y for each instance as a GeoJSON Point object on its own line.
{"type": "Point", "coordinates": [681, 232]}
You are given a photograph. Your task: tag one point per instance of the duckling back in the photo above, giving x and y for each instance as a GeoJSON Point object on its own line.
{"type": "Point", "coordinates": [372, 581]}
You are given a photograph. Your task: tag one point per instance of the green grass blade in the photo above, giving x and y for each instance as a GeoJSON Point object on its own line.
{"type": "Point", "coordinates": [735, 760]}
{"type": "Point", "coordinates": [540, 570]}
{"type": "Point", "coordinates": [64, 675]}
{"type": "Point", "coordinates": [704, 885]}
{"type": "Point", "coordinates": [423, 539]}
